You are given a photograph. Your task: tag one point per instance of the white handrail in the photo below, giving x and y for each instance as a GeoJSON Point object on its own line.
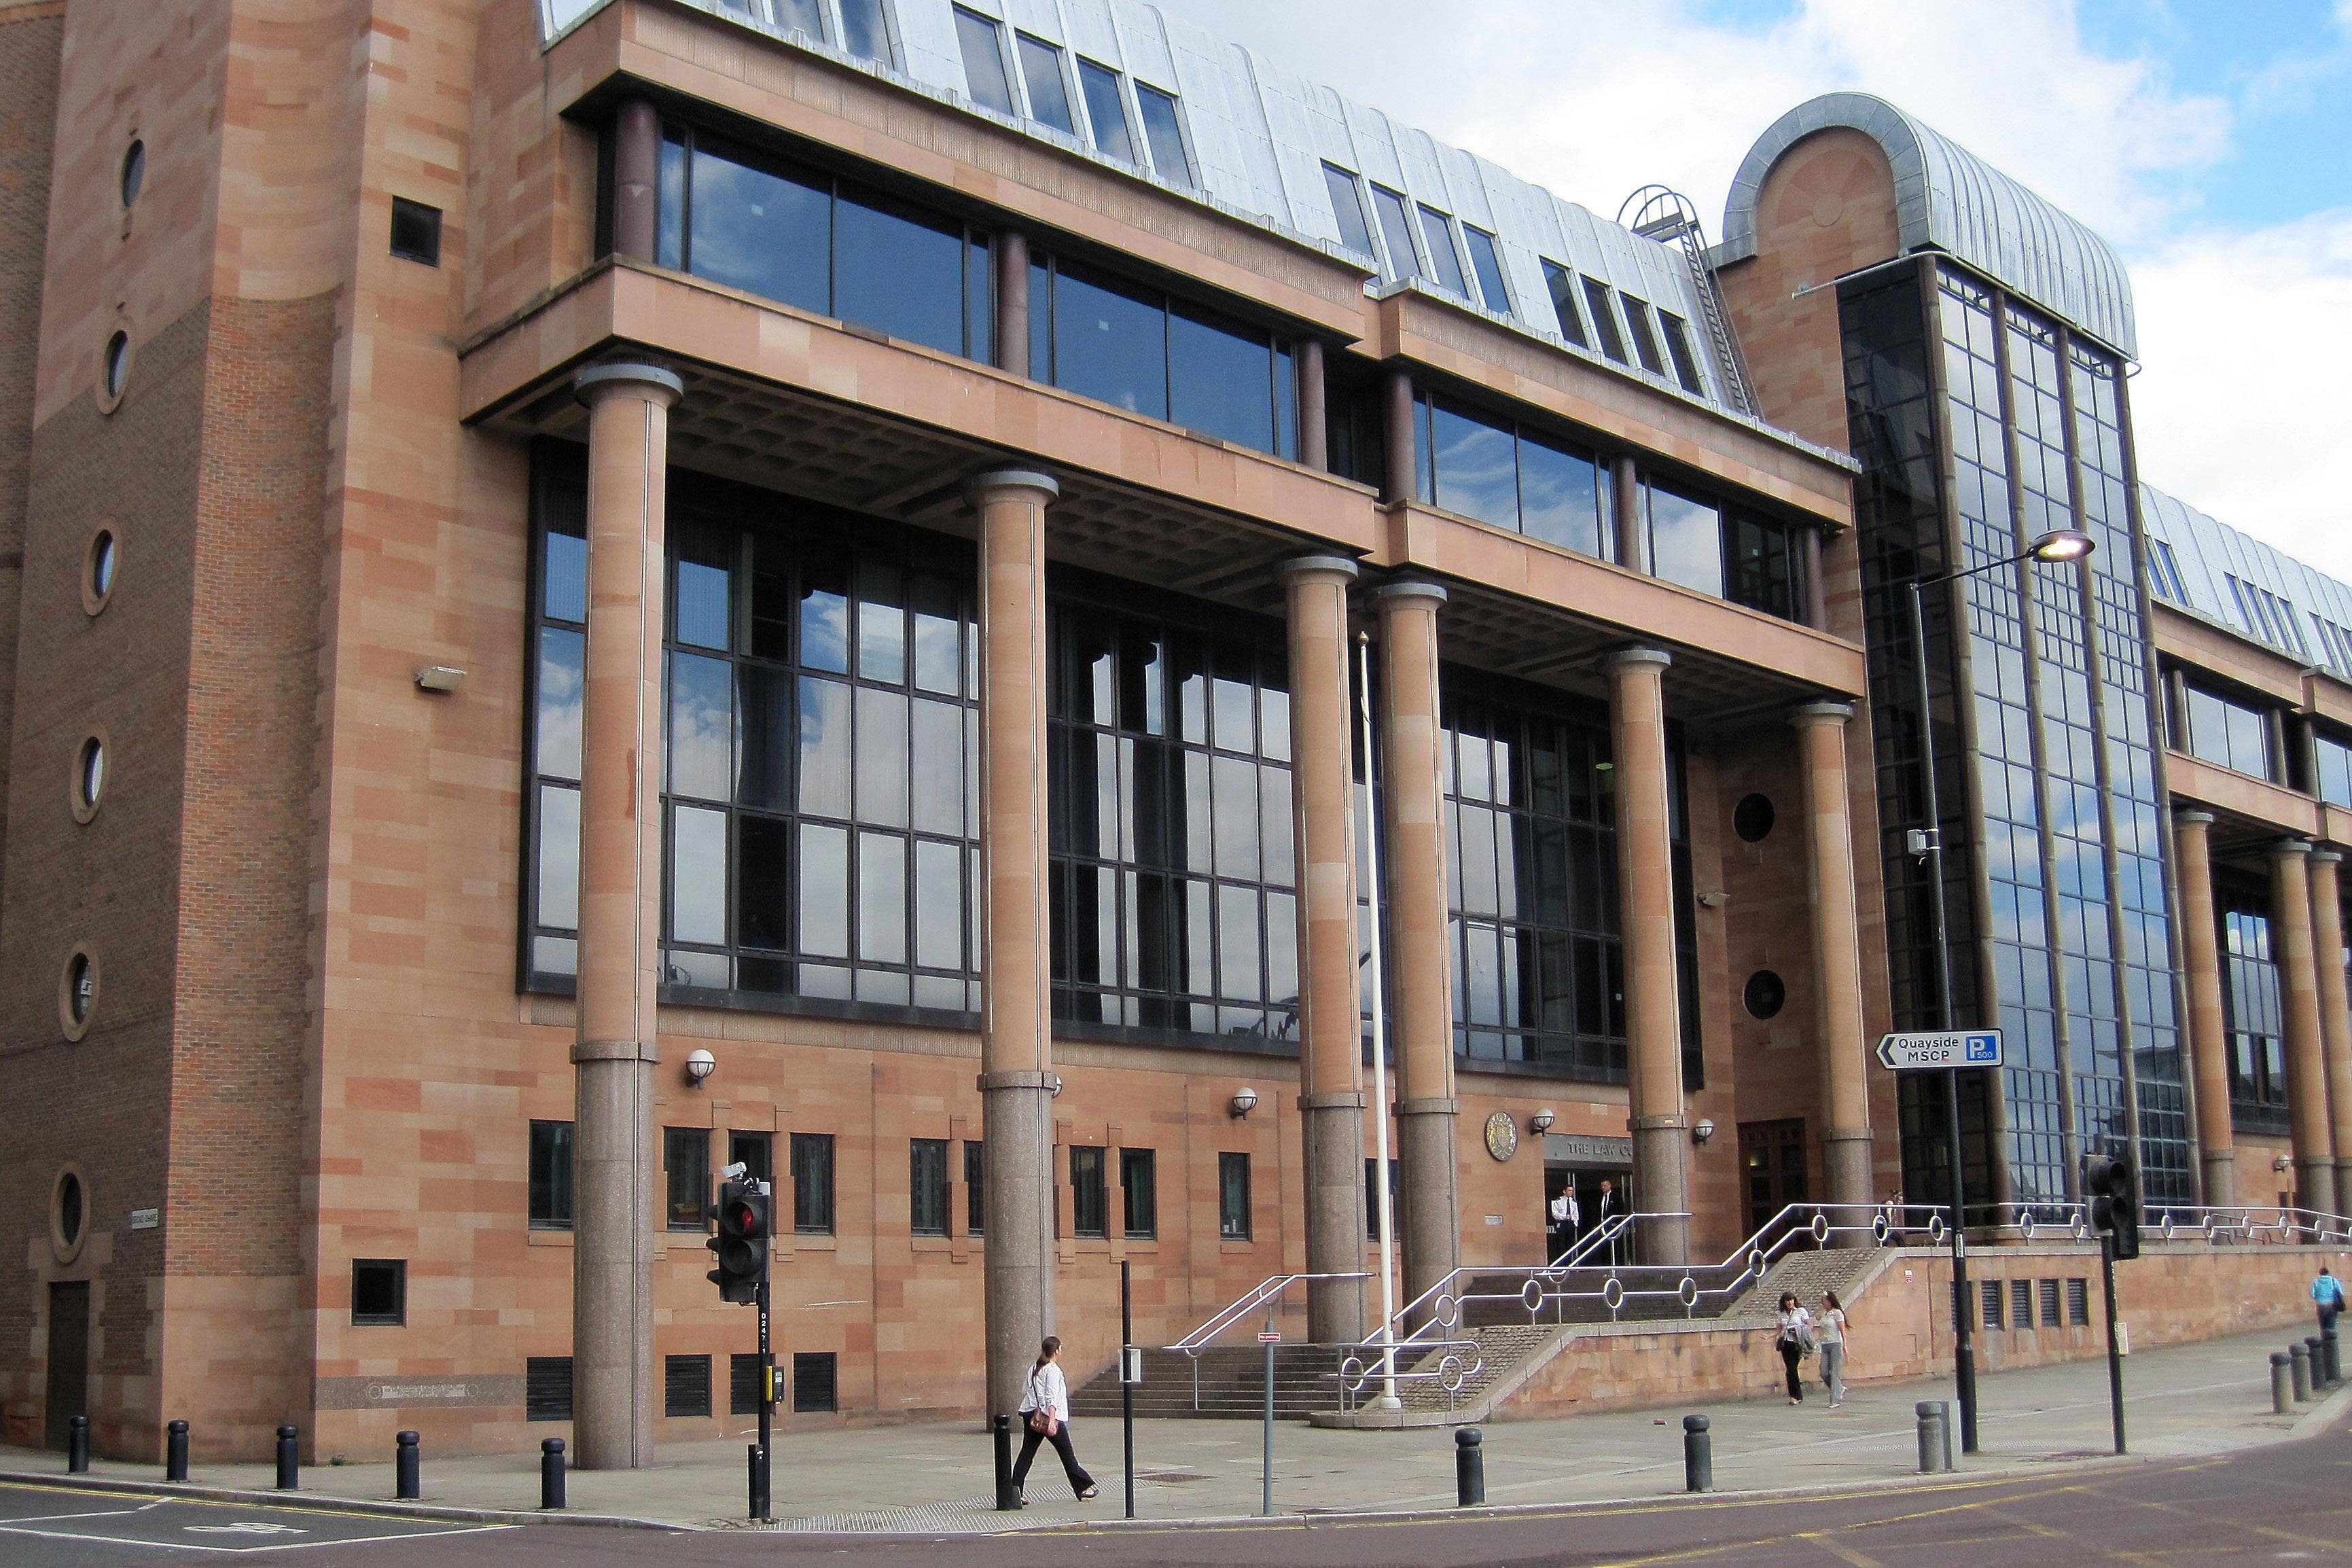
{"type": "Point", "coordinates": [1264, 1294]}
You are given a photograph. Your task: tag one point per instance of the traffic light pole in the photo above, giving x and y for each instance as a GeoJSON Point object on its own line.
{"type": "Point", "coordinates": [2115, 1354]}
{"type": "Point", "coordinates": [760, 1470]}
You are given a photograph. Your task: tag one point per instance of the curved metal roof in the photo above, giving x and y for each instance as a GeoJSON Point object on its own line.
{"type": "Point", "coordinates": [1949, 199]}
{"type": "Point", "coordinates": [2225, 575]}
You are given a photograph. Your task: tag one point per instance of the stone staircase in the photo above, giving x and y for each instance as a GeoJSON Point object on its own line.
{"type": "Point", "coordinates": [1805, 1275]}
{"type": "Point", "coordinates": [1221, 1381]}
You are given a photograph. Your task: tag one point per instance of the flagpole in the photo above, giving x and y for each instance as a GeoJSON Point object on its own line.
{"type": "Point", "coordinates": [1387, 1399]}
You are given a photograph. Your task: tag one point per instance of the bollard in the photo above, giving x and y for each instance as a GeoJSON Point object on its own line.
{"type": "Point", "coordinates": [289, 1458]}
{"type": "Point", "coordinates": [175, 1451]}
{"type": "Point", "coordinates": [1944, 1425]}
{"type": "Point", "coordinates": [2299, 1362]}
{"type": "Point", "coordinates": [2316, 1350]}
{"type": "Point", "coordinates": [2282, 1387]}
{"type": "Point", "coordinates": [1469, 1468]}
{"type": "Point", "coordinates": [2335, 1357]}
{"type": "Point", "coordinates": [1935, 1450]}
{"type": "Point", "coordinates": [78, 1445]}
{"type": "Point", "coordinates": [1001, 1433]}
{"type": "Point", "coordinates": [408, 1468]}
{"type": "Point", "coordinates": [551, 1472]}
{"type": "Point", "coordinates": [1699, 1455]}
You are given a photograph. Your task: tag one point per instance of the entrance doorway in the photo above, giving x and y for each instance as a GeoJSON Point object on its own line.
{"type": "Point", "coordinates": [1592, 1207]}
{"type": "Point", "coordinates": [1772, 1164]}
{"type": "Point", "coordinates": [68, 1385]}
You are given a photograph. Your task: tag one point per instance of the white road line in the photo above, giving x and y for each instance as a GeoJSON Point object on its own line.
{"type": "Point", "coordinates": [12, 1528]}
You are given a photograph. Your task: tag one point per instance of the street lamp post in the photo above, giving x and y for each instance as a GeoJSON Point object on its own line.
{"type": "Point", "coordinates": [2061, 544]}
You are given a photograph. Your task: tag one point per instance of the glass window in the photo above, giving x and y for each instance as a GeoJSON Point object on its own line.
{"type": "Point", "coordinates": [799, 17]}
{"type": "Point", "coordinates": [1049, 90]}
{"type": "Point", "coordinates": [812, 1183]}
{"type": "Point", "coordinates": [1086, 1196]}
{"type": "Point", "coordinates": [975, 1188]}
{"type": "Point", "coordinates": [1477, 467]}
{"type": "Point", "coordinates": [550, 1175]}
{"type": "Point", "coordinates": [981, 38]}
{"type": "Point", "coordinates": [1163, 130]}
{"type": "Point", "coordinates": [1438, 230]}
{"type": "Point", "coordinates": [685, 1156]}
{"type": "Point", "coordinates": [1348, 206]}
{"type": "Point", "coordinates": [1233, 1196]}
{"type": "Point", "coordinates": [1561, 283]}
{"type": "Point", "coordinates": [1220, 377]}
{"type": "Point", "coordinates": [1111, 341]}
{"type": "Point", "coordinates": [1646, 335]}
{"type": "Point", "coordinates": [1482, 465]}
{"type": "Point", "coordinates": [926, 1186]}
{"type": "Point", "coordinates": [2228, 734]}
{"type": "Point", "coordinates": [1604, 320]}
{"type": "Point", "coordinates": [760, 226]}
{"type": "Point", "coordinates": [863, 31]}
{"type": "Point", "coordinates": [1396, 228]}
{"type": "Point", "coordinates": [1106, 111]}
{"type": "Point", "coordinates": [1764, 564]}
{"type": "Point", "coordinates": [900, 271]}
{"type": "Point", "coordinates": [1678, 347]}
{"type": "Point", "coordinates": [1562, 494]}
{"type": "Point", "coordinates": [2335, 780]}
{"type": "Point", "coordinates": [756, 1153]}
{"type": "Point", "coordinates": [1138, 1188]}
{"type": "Point", "coordinates": [1488, 263]}
{"type": "Point", "coordinates": [379, 1291]}
{"type": "Point", "coordinates": [1685, 537]}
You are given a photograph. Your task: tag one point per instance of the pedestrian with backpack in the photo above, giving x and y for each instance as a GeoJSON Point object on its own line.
{"type": "Point", "coordinates": [1795, 1341]}
{"type": "Point", "coordinates": [1046, 1418]}
{"type": "Point", "coordinates": [2328, 1294]}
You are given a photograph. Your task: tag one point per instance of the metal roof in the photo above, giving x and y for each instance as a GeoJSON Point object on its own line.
{"type": "Point", "coordinates": [2200, 563]}
{"type": "Point", "coordinates": [1949, 199]}
{"type": "Point", "coordinates": [1257, 137]}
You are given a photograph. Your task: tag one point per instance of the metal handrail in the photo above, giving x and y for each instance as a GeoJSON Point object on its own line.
{"type": "Point", "coordinates": [1450, 1372]}
{"type": "Point", "coordinates": [1264, 1294]}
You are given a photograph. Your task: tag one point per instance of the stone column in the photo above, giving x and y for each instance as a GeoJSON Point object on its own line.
{"type": "Point", "coordinates": [614, 1160]}
{"type": "Point", "coordinates": [2208, 1033]}
{"type": "Point", "coordinates": [1012, 302]}
{"type": "Point", "coordinates": [2307, 1069]}
{"type": "Point", "coordinates": [1817, 588]}
{"type": "Point", "coordinates": [1625, 513]}
{"type": "Point", "coordinates": [1837, 956]}
{"type": "Point", "coordinates": [1016, 1077]}
{"type": "Point", "coordinates": [2335, 1016]}
{"type": "Point", "coordinates": [1420, 954]}
{"type": "Point", "coordinates": [1645, 880]}
{"type": "Point", "coordinates": [636, 176]}
{"type": "Point", "coordinates": [1398, 424]}
{"type": "Point", "coordinates": [1314, 426]}
{"type": "Point", "coordinates": [1330, 1018]}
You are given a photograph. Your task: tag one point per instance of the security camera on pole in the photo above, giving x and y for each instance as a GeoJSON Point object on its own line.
{"type": "Point", "coordinates": [2115, 1214]}
{"type": "Point", "coordinates": [744, 1222]}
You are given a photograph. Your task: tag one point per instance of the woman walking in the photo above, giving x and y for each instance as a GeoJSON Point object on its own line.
{"type": "Point", "coordinates": [1046, 1418]}
{"type": "Point", "coordinates": [1832, 1341]}
{"type": "Point", "coordinates": [1793, 1341]}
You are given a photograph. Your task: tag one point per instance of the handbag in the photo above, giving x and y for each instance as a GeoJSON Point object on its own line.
{"type": "Point", "coordinates": [1041, 1414]}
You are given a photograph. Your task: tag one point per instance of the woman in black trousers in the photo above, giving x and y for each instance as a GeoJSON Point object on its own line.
{"type": "Point", "coordinates": [1046, 1418]}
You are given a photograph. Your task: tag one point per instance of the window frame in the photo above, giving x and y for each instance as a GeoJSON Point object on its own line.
{"type": "Point", "coordinates": [1600, 296]}
{"type": "Point", "coordinates": [675, 1138]}
{"type": "Point", "coordinates": [928, 1187]}
{"type": "Point", "coordinates": [1236, 1203]}
{"type": "Point", "coordinates": [1138, 1200]}
{"type": "Point", "coordinates": [1187, 175]}
{"type": "Point", "coordinates": [1089, 1192]}
{"type": "Point", "coordinates": [1562, 284]}
{"type": "Point", "coordinates": [560, 1183]}
{"type": "Point", "coordinates": [1024, 42]}
{"type": "Point", "coordinates": [1446, 258]}
{"type": "Point", "coordinates": [1334, 176]}
{"type": "Point", "coordinates": [815, 1202]}
{"type": "Point", "coordinates": [1485, 250]}
{"type": "Point", "coordinates": [1116, 81]}
{"type": "Point", "coordinates": [396, 1315]}
{"type": "Point", "coordinates": [968, 22]}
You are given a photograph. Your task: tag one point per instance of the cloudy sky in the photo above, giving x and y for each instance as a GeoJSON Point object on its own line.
{"type": "Point", "coordinates": [2209, 140]}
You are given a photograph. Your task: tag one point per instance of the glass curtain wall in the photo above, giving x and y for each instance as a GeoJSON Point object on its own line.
{"type": "Point", "coordinates": [2251, 1008]}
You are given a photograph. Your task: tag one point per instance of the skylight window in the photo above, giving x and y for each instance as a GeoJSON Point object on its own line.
{"type": "Point", "coordinates": [799, 17]}
{"type": "Point", "coordinates": [1107, 111]}
{"type": "Point", "coordinates": [1163, 132]}
{"type": "Point", "coordinates": [983, 60]}
{"type": "Point", "coordinates": [2164, 569]}
{"type": "Point", "coordinates": [1604, 320]}
{"type": "Point", "coordinates": [1561, 282]}
{"type": "Point", "coordinates": [1646, 335]}
{"type": "Point", "coordinates": [865, 32]}
{"type": "Point", "coordinates": [1396, 228]}
{"type": "Point", "coordinates": [1488, 263]}
{"type": "Point", "coordinates": [1439, 232]}
{"type": "Point", "coordinates": [1049, 90]}
{"type": "Point", "coordinates": [1678, 345]}
{"type": "Point", "coordinates": [1348, 206]}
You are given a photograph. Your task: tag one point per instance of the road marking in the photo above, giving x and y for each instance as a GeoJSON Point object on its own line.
{"type": "Point", "coordinates": [1845, 1555]}
{"type": "Point", "coordinates": [246, 1527]}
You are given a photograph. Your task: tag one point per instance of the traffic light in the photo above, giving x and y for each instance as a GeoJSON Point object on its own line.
{"type": "Point", "coordinates": [2115, 1208]}
{"type": "Point", "coordinates": [741, 1243]}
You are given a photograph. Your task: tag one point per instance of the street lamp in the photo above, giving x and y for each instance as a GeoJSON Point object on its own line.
{"type": "Point", "coordinates": [2058, 545]}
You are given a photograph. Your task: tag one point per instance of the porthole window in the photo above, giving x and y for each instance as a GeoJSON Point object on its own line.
{"type": "Point", "coordinates": [68, 1214]}
{"type": "Point", "coordinates": [113, 370]}
{"type": "Point", "coordinates": [1766, 995]}
{"type": "Point", "coordinates": [134, 171]}
{"type": "Point", "coordinates": [97, 569]}
{"type": "Point", "coordinates": [77, 993]}
{"type": "Point", "coordinates": [1752, 818]}
{"type": "Point", "coordinates": [88, 776]}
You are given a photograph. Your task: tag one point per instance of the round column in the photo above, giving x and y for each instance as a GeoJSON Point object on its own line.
{"type": "Point", "coordinates": [636, 173]}
{"type": "Point", "coordinates": [1645, 882]}
{"type": "Point", "coordinates": [1330, 1016]}
{"type": "Point", "coordinates": [2208, 1033]}
{"type": "Point", "coordinates": [614, 1159]}
{"type": "Point", "coordinates": [1837, 954]}
{"type": "Point", "coordinates": [2307, 1069]}
{"type": "Point", "coordinates": [2335, 1016]}
{"type": "Point", "coordinates": [1421, 971]}
{"type": "Point", "coordinates": [1016, 1080]}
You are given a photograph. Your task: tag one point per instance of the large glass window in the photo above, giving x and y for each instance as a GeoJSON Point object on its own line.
{"type": "Point", "coordinates": [1106, 111]}
{"type": "Point", "coordinates": [1109, 339]}
{"type": "Point", "coordinates": [786, 231]}
{"type": "Point", "coordinates": [1763, 564]}
{"type": "Point", "coordinates": [2250, 989]}
{"type": "Point", "coordinates": [1172, 868]}
{"type": "Point", "coordinates": [1163, 132]}
{"type": "Point", "coordinates": [981, 38]}
{"type": "Point", "coordinates": [1049, 90]}
{"type": "Point", "coordinates": [1685, 537]}
{"type": "Point", "coordinates": [2227, 734]}
{"type": "Point", "coordinates": [2333, 766]}
{"type": "Point", "coordinates": [1348, 206]}
{"type": "Point", "coordinates": [1486, 467]}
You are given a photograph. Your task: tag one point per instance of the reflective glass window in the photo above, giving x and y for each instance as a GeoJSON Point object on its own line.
{"type": "Point", "coordinates": [1105, 109]}
{"type": "Point", "coordinates": [864, 30]}
{"type": "Point", "coordinates": [1110, 342]}
{"type": "Point", "coordinates": [1561, 283]}
{"type": "Point", "coordinates": [1685, 537]}
{"type": "Point", "coordinates": [981, 38]}
{"type": "Point", "coordinates": [1678, 347]}
{"type": "Point", "coordinates": [763, 227]}
{"type": "Point", "coordinates": [799, 17]}
{"type": "Point", "coordinates": [1220, 377]}
{"type": "Point", "coordinates": [1436, 228]}
{"type": "Point", "coordinates": [2335, 769]}
{"type": "Point", "coordinates": [1396, 228]}
{"type": "Point", "coordinates": [1488, 263]}
{"type": "Point", "coordinates": [1476, 466]}
{"type": "Point", "coordinates": [1646, 335]}
{"type": "Point", "coordinates": [1348, 206]}
{"type": "Point", "coordinates": [1482, 466]}
{"type": "Point", "coordinates": [1049, 90]}
{"type": "Point", "coordinates": [1164, 131]}
{"type": "Point", "coordinates": [1604, 320]}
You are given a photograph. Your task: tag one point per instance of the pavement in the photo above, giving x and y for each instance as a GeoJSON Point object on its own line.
{"type": "Point", "coordinates": [2184, 1401]}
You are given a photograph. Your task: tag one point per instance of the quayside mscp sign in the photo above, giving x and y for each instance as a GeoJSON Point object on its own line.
{"type": "Point", "coordinates": [1940, 1048]}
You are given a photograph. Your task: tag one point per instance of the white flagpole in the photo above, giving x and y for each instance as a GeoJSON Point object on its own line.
{"type": "Point", "coordinates": [1387, 1399]}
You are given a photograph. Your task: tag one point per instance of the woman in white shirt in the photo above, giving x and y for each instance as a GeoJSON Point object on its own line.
{"type": "Point", "coordinates": [1832, 1338]}
{"type": "Point", "coordinates": [1046, 1418]}
{"type": "Point", "coordinates": [1795, 1334]}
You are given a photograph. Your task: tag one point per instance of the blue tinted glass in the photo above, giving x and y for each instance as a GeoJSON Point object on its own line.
{"type": "Point", "coordinates": [900, 271]}
{"type": "Point", "coordinates": [566, 592]}
{"type": "Point", "coordinates": [1489, 267]}
{"type": "Point", "coordinates": [1285, 403]}
{"type": "Point", "coordinates": [1396, 227]}
{"type": "Point", "coordinates": [979, 300]}
{"type": "Point", "coordinates": [1442, 254]}
{"type": "Point", "coordinates": [1220, 377]}
{"type": "Point", "coordinates": [671, 205]}
{"type": "Point", "coordinates": [703, 596]}
{"type": "Point", "coordinates": [1164, 133]}
{"type": "Point", "coordinates": [1111, 343]}
{"type": "Point", "coordinates": [1478, 472]}
{"type": "Point", "coordinates": [799, 17]}
{"type": "Point", "coordinates": [561, 654]}
{"type": "Point", "coordinates": [863, 31]}
{"type": "Point", "coordinates": [1685, 540]}
{"type": "Point", "coordinates": [1105, 109]}
{"type": "Point", "coordinates": [1041, 322]}
{"type": "Point", "coordinates": [983, 61]}
{"type": "Point", "coordinates": [1604, 320]}
{"type": "Point", "coordinates": [763, 233]}
{"type": "Point", "coordinates": [1049, 94]}
{"type": "Point", "coordinates": [1560, 496]}
{"type": "Point", "coordinates": [1348, 208]}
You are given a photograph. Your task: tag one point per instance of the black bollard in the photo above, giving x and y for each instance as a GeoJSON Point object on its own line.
{"type": "Point", "coordinates": [1699, 1455]}
{"type": "Point", "coordinates": [2282, 1386]}
{"type": "Point", "coordinates": [1470, 1466]}
{"type": "Point", "coordinates": [408, 1468]}
{"type": "Point", "coordinates": [2335, 1358]}
{"type": "Point", "coordinates": [1934, 1439]}
{"type": "Point", "coordinates": [2315, 1349]}
{"type": "Point", "coordinates": [999, 1432]}
{"type": "Point", "coordinates": [175, 1451]}
{"type": "Point", "coordinates": [289, 1458]}
{"type": "Point", "coordinates": [551, 1472]}
{"type": "Point", "coordinates": [2299, 1362]}
{"type": "Point", "coordinates": [78, 1445]}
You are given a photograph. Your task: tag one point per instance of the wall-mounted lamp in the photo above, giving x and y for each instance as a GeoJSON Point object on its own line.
{"type": "Point", "coordinates": [1245, 1100]}
{"type": "Point", "coordinates": [1702, 1130]}
{"type": "Point", "coordinates": [1540, 1122]}
{"type": "Point", "coordinates": [439, 678]}
{"type": "Point", "coordinates": [700, 1065]}
{"type": "Point", "coordinates": [1058, 1086]}
{"type": "Point", "coordinates": [1714, 900]}
{"type": "Point", "coordinates": [2281, 1164]}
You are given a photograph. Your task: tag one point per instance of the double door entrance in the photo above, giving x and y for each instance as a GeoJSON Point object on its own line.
{"type": "Point", "coordinates": [1600, 1194]}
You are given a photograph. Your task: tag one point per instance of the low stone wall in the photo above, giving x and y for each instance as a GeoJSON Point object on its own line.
{"type": "Point", "coordinates": [1901, 1318]}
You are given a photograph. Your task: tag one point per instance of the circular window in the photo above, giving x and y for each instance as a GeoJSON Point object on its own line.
{"type": "Point", "coordinates": [77, 993]}
{"type": "Point", "coordinates": [134, 171]}
{"type": "Point", "coordinates": [1752, 818]}
{"type": "Point", "coordinates": [97, 569]}
{"type": "Point", "coordinates": [88, 777]}
{"type": "Point", "coordinates": [114, 370]}
{"type": "Point", "coordinates": [68, 1214]}
{"type": "Point", "coordinates": [1766, 995]}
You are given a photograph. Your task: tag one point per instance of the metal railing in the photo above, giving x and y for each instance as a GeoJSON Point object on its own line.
{"type": "Point", "coordinates": [1266, 1296]}
{"type": "Point", "coordinates": [2242, 1226]}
